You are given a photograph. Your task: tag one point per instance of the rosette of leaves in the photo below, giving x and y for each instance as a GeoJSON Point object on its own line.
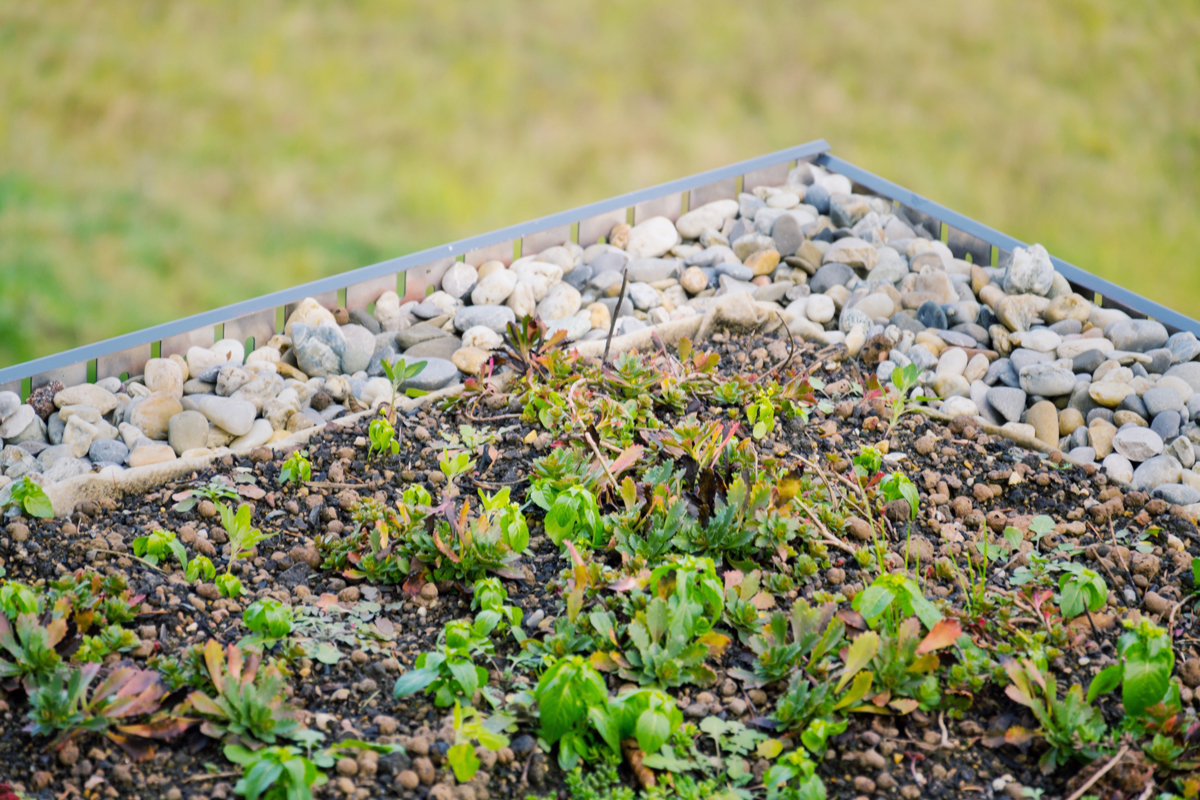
{"type": "Point", "coordinates": [465, 548]}
{"type": "Point", "coordinates": [248, 701]}
{"type": "Point", "coordinates": [1073, 729]}
{"type": "Point", "coordinates": [670, 642]}
{"type": "Point", "coordinates": [380, 546]}
{"type": "Point", "coordinates": [805, 635]}
{"type": "Point", "coordinates": [61, 704]}
{"type": "Point", "coordinates": [31, 646]}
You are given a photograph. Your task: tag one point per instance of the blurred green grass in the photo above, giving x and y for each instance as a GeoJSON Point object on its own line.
{"type": "Point", "coordinates": [159, 159]}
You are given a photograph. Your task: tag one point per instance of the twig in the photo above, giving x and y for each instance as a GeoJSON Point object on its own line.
{"type": "Point", "coordinates": [474, 418]}
{"type": "Point", "coordinates": [612, 325]}
{"type": "Point", "coordinates": [1112, 762]}
{"type": "Point", "coordinates": [127, 555]}
{"type": "Point", "coordinates": [1146, 794]}
{"type": "Point", "coordinates": [588, 438]}
{"type": "Point", "coordinates": [945, 734]}
{"type": "Point", "coordinates": [212, 777]}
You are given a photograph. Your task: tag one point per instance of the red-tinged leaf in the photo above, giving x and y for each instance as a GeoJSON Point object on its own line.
{"type": "Point", "coordinates": [904, 705]}
{"type": "Point", "coordinates": [55, 631]}
{"type": "Point", "coordinates": [763, 601]}
{"type": "Point", "coordinates": [164, 729]}
{"type": "Point", "coordinates": [444, 549]}
{"type": "Point", "coordinates": [136, 749]}
{"type": "Point", "coordinates": [733, 578]}
{"type": "Point", "coordinates": [215, 661]}
{"type": "Point", "coordinates": [204, 704]}
{"type": "Point", "coordinates": [235, 664]}
{"type": "Point", "coordinates": [882, 698]}
{"type": "Point", "coordinates": [852, 619]}
{"type": "Point", "coordinates": [510, 573]}
{"type": "Point", "coordinates": [623, 585]}
{"type": "Point", "coordinates": [385, 627]}
{"type": "Point", "coordinates": [327, 601]}
{"type": "Point", "coordinates": [575, 559]}
{"type": "Point", "coordinates": [211, 730]}
{"type": "Point", "coordinates": [178, 496]}
{"type": "Point", "coordinates": [629, 456]}
{"type": "Point", "coordinates": [1017, 695]}
{"type": "Point", "coordinates": [1016, 735]}
{"type": "Point", "coordinates": [414, 583]}
{"type": "Point", "coordinates": [925, 663]}
{"type": "Point", "coordinates": [251, 492]}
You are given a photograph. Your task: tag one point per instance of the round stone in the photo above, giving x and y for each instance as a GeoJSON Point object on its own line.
{"type": "Point", "coordinates": [495, 317]}
{"type": "Point", "coordinates": [234, 416]}
{"type": "Point", "coordinates": [1136, 335]}
{"type": "Point", "coordinates": [494, 289]}
{"type": "Point", "coordinates": [1118, 468]}
{"type": "Point", "coordinates": [1137, 444]}
{"type": "Point", "coordinates": [308, 312]}
{"type": "Point", "coordinates": [88, 394]}
{"type": "Point", "coordinates": [694, 280]}
{"type": "Point", "coordinates": [1160, 399]}
{"type": "Point", "coordinates": [459, 279]}
{"type": "Point", "coordinates": [819, 308]}
{"type": "Point", "coordinates": [187, 430]}
{"type": "Point", "coordinates": [108, 451]}
{"type": "Point", "coordinates": [482, 336]}
{"type": "Point", "coordinates": [931, 315]}
{"type": "Point", "coordinates": [151, 414]}
{"type": "Point", "coordinates": [1156, 471]}
{"type": "Point", "coordinates": [1008, 402]}
{"type": "Point", "coordinates": [652, 238]}
{"type": "Point", "coordinates": [163, 375]}
{"type": "Point", "coordinates": [1049, 379]}
{"type": "Point", "coordinates": [470, 359]}
{"type": "Point", "coordinates": [561, 301]}
{"type": "Point", "coordinates": [830, 275]}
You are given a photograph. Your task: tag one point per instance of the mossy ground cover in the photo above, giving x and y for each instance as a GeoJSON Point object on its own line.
{"type": "Point", "coordinates": [699, 571]}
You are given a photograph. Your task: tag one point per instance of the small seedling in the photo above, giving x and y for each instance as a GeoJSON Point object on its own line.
{"type": "Point", "coordinates": [157, 546]}
{"type": "Point", "coordinates": [383, 438]}
{"type": "Point", "coordinates": [453, 466]}
{"type": "Point", "coordinates": [1082, 589]}
{"type": "Point", "coordinates": [761, 414]}
{"type": "Point", "coordinates": [905, 379]}
{"type": "Point", "coordinates": [30, 498]}
{"type": "Point", "coordinates": [200, 567]}
{"type": "Point", "coordinates": [296, 469]}
{"type": "Point", "coordinates": [398, 372]}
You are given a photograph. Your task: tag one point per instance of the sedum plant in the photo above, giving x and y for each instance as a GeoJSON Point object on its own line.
{"type": "Point", "coordinates": [248, 702]}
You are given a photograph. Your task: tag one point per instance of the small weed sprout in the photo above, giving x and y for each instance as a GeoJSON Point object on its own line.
{"type": "Point", "coordinates": [383, 438]}
{"type": "Point", "coordinates": [30, 498]}
{"type": "Point", "coordinates": [242, 539]}
{"type": "Point", "coordinates": [157, 546]}
{"type": "Point", "coordinates": [296, 469]}
{"type": "Point", "coordinates": [905, 379]}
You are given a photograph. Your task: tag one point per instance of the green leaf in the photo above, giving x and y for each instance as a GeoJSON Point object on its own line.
{"type": "Point", "coordinates": [1071, 602]}
{"type": "Point", "coordinates": [875, 600]}
{"type": "Point", "coordinates": [564, 693]}
{"type": "Point", "coordinates": [1013, 536]}
{"type": "Point", "coordinates": [37, 504]}
{"type": "Point", "coordinates": [1145, 682]}
{"type": "Point", "coordinates": [1105, 681]}
{"type": "Point", "coordinates": [652, 731]}
{"type": "Point", "coordinates": [414, 681]}
{"type": "Point", "coordinates": [463, 761]}
{"type": "Point", "coordinates": [1041, 525]}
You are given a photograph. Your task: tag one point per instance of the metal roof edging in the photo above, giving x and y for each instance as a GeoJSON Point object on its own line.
{"type": "Point", "coordinates": [341, 280]}
{"type": "Point", "coordinates": [1102, 286]}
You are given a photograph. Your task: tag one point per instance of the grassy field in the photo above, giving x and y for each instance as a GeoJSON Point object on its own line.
{"type": "Point", "coordinates": [158, 159]}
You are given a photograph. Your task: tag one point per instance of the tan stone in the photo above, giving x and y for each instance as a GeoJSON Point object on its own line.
{"type": "Point", "coordinates": [152, 414]}
{"type": "Point", "coordinates": [600, 315]}
{"type": "Point", "coordinates": [763, 262]}
{"type": "Point", "coordinates": [470, 359]}
{"type": "Point", "coordinates": [1101, 433]}
{"type": "Point", "coordinates": [1068, 420]}
{"type": "Point", "coordinates": [151, 454]}
{"type": "Point", "coordinates": [1043, 417]}
{"type": "Point", "coordinates": [1067, 306]}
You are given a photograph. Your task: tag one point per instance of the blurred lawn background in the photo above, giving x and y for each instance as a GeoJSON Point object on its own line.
{"type": "Point", "coordinates": [159, 159]}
